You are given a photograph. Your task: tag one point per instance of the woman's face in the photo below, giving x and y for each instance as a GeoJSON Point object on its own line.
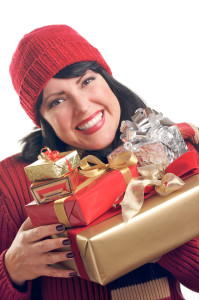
{"type": "Point", "coordinates": [83, 111]}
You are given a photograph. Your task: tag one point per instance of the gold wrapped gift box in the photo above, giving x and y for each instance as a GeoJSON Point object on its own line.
{"type": "Point", "coordinates": [43, 169]}
{"type": "Point", "coordinates": [113, 248]}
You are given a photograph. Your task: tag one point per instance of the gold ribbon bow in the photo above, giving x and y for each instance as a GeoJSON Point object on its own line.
{"type": "Point", "coordinates": [121, 162]}
{"type": "Point", "coordinates": [134, 195]}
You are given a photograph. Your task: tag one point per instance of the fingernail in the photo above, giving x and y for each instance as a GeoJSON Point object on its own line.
{"type": "Point", "coordinates": [70, 255]}
{"type": "Point", "coordinates": [72, 274]}
{"type": "Point", "coordinates": [60, 227]}
{"type": "Point", "coordinates": [66, 242]}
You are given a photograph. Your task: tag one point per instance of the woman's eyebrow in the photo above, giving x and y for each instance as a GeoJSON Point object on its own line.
{"type": "Point", "coordinates": [80, 78]}
{"type": "Point", "coordinates": [62, 92]}
{"type": "Point", "coordinates": [54, 94]}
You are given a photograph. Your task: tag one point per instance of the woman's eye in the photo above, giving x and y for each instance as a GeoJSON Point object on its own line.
{"type": "Point", "coordinates": [88, 80]}
{"type": "Point", "coordinates": [55, 102]}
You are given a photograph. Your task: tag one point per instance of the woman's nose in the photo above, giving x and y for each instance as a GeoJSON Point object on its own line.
{"type": "Point", "coordinates": [80, 102]}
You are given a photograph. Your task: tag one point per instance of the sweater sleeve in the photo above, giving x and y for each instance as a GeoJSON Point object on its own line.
{"type": "Point", "coordinates": [186, 130]}
{"type": "Point", "coordinates": [7, 290]}
{"type": "Point", "coordinates": [183, 263]}
{"type": "Point", "coordinates": [12, 215]}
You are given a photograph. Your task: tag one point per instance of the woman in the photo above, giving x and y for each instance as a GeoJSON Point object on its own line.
{"type": "Point", "coordinates": [66, 88]}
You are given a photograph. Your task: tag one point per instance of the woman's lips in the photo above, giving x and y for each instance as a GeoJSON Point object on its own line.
{"type": "Point", "coordinates": [92, 124]}
{"type": "Point", "coordinates": [88, 119]}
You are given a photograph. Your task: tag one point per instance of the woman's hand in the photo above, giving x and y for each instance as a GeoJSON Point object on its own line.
{"type": "Point", "coordinates": [33, 250]}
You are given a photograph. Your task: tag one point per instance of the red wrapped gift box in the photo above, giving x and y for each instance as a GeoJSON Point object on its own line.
{"type": "Point", "coordinates": [52, 189]}
{"type": "Point", "coordinates": [92, 198]}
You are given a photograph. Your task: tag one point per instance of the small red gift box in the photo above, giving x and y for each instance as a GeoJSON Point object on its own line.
{"type": "Point", "coordinates": [93, 197]}
{"type": "Point", "coordinates": [49, 190]}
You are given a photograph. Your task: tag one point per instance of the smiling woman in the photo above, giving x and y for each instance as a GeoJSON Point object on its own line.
{"type": "Point", "coordinates": [76, 107]}
{"type": "Point", "coordinates": [67, 89]}
{"type": "Point", "coordinates": [77, 89]}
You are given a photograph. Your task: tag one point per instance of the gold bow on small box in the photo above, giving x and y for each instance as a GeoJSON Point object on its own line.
{"type": "Point", "coordinates": [121, 162]}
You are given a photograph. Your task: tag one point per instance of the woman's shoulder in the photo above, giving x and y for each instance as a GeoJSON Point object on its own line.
{"type": "Point", "coordinates": [13, 178]}
{"type": "Point", "coordinates": [12, 162]}
{"type": "Point", "coordinates": [14, 191]}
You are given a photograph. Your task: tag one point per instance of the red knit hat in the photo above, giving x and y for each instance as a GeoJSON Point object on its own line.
{"type": "Point", "coordinates": [41, 54]}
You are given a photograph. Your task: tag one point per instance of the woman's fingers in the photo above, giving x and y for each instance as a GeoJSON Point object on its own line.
{"type": "Point", "coordinates": [38, 233]}
{"type": "Point", "coordinates": [50, 258]}
{"type": "Point", "coordinates": [51, 244]}
{"type": "Point", "coordinates": [32, 251]}
{"type": "Point", "coordinates": [27, 224]}
{"type": "Point", "coordinates": [53, 272]}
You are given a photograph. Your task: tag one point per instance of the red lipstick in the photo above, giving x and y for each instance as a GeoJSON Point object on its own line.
{"type": "Point", "coordinates": [88, 119]}
{"type": "Point", "coordinates": [94, 128]}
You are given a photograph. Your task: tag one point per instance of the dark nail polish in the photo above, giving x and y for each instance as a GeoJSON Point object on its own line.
{"type": "Point", "coordinates": [72, 274]}
{"type": "Point", "coordinates": [70, 255]}
{"type": "Point", "coordinates": [66, 242]}
{"type": "Point", "coordinates": [60, 227]}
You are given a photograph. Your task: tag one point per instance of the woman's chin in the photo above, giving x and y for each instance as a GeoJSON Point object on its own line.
{"type": "Point", "coordinates": [92, 143]}
{"type": "Point", "coordinates": [100, 145]}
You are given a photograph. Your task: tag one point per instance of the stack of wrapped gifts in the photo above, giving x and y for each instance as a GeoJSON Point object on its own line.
{"type": "Point", "coordinates": [121, 215]}
{"type": "Point", "coordinates": [89, 197]}
{"type": "Point", "coordinates": [53, 175]}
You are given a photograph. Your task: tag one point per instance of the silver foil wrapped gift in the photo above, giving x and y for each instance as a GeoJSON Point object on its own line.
{"type": "Point", "coordinates": [150, 140]}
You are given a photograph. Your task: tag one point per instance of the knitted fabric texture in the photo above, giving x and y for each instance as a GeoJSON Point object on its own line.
{"type": "Point", "coordinates": [41, 54]}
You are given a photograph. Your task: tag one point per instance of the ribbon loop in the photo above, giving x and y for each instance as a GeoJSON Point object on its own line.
{"type": "Point", "coordinates": [121, 161]}
{"type": "Point", "coordinates": [134, 195]}
{"type": "Point", "coordinates": [169, 183]}
{"type": "Point", "coordinates": [47, 154]}
{"type": "Point", "coordinates": [92, 170]}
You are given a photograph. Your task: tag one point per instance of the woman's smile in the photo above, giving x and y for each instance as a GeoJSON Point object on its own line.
{"type": "Point", "coordinates": [93, 123]}
{"type": "Point", "coordinates": [83, 111]}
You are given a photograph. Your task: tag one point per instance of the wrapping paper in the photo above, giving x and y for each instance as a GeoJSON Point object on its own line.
{"type": "Point", "coordinates": [112, 248]}
{"type": "Point", "coordinates": [152, 153]}
{"type": "Point", "coordinates": [43, 169]}
{"type": "Point", "coordinates": [92, 198]}
{"type": "Point", "coordinates": [145, 130]}
{"type": "Point", "coordinates": [52, 189]}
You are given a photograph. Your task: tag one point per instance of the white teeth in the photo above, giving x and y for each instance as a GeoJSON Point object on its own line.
{"type": "Point", "coordinates": [92, 122]}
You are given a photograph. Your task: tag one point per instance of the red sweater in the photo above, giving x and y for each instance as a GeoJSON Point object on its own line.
{"type": "Point", "coordinates": [182, 263]}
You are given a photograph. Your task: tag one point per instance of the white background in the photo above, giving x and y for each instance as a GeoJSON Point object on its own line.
{"type": "Point", "coordinates": [151, 46]}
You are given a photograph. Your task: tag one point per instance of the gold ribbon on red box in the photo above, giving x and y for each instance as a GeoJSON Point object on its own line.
{"type": "Point", "coordinates": [165, 180]}
{"type": "Point", "coordinates": [121, 162]}
{"type": "Point", "coordinates": [92, 172]}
